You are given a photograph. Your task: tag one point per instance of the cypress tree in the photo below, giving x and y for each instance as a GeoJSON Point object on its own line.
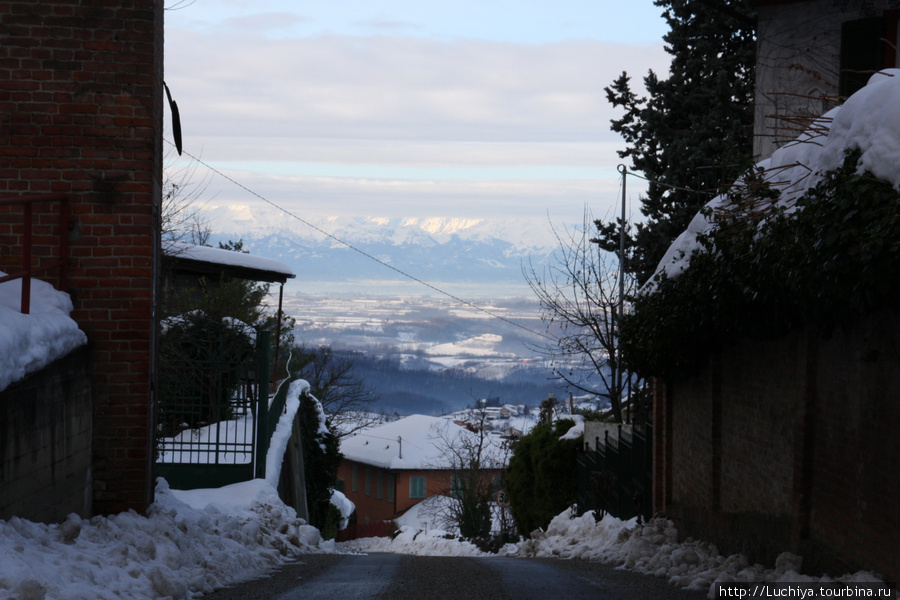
{"type": "Point", "coordinates": [692, 135]}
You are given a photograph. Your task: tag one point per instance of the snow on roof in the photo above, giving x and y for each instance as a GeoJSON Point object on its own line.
{"type": "Point", "coordinates": [413, 442]}
{"type": "Point", "coordinates": [30, 342]}
{"type": "Point", "coordinates": [219, 256]}
{"type": "Point", "coordinates": [869, 121]}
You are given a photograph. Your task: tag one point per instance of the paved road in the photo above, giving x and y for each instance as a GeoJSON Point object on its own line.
{"type": "Point", "coordinates": [401, 577]}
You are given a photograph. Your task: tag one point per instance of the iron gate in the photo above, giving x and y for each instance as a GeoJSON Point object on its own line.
{"type": "Point", "coordinates": [213, 410]}
{"type": "Point", "coordinates": [615, 475]}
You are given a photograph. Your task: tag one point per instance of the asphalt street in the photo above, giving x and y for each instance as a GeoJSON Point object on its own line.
{"type": "Point", "coordinates": [404, 577]}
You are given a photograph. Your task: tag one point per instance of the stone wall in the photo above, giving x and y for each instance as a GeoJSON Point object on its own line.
{"type": "Point", "coordinates": [45, 442]}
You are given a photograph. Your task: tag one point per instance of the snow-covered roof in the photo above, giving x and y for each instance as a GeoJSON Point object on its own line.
{"type": "Point", "coordinates": [869, 121]}
{"type": "Point", "coordinates": [229, 258]}
{"type": "Point", "coordinates": [413, 442]}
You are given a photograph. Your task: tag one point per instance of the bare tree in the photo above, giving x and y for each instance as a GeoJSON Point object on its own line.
{"type": "Point", "coordinates": [580, 296]}
{"type": "Point", "coordinates": [475, 460]}
{"type": "Point", "coordinates": [182, 218]}
{"type": "Point", "coordinates": [345, 399]}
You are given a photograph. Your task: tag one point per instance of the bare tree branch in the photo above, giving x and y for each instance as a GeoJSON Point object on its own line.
{"type": "Point", "coordinates": [579, 297]}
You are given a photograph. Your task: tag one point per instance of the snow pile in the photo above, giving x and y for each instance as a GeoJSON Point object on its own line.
{"type": "Point", "coordinates": [282, 434]}
{"type": "Point", "coordinates": [868, 121]}
{"type": "Point", "coordinates": [190, 543]}
{"type": "Point", "coordinates": [344, 505]}
{"type": "Point", "coordinates": [654, 549]}
{"type": "Point", "coordinates": [577, 430]}
{"type": "Point", "coordinates": [411, 540]}
{"type": "Point", "coordinates": [31, 342]}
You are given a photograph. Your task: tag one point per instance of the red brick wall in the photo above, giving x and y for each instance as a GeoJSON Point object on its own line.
{"type": "Point", "coordinates": [807, 456]}
{"type": "Point", "coordinates": [369, 506]}
{"type": "Point", "coordinates": [81, 113]}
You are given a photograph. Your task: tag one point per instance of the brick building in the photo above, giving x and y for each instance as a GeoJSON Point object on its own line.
{"type": "Point", "coordinates": [81, 109]}
{"type": "Point", "coordinates": [388, 469]}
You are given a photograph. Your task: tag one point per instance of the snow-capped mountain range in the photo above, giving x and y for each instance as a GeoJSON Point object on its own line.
{"type": "Point", "coordinates": [456, 250]}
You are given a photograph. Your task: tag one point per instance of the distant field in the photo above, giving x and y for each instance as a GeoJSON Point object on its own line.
{"type": "Point", "coordinates": [433, 355]}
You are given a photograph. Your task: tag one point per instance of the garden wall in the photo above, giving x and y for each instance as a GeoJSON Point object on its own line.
{"type": "Point", "coordinates": [790, 445]}
{"type": "Point", "coordinates": [45, 442]}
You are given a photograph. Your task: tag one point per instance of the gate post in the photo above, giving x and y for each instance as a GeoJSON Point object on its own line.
{"type": "Point", "coordinates": [262, 402]}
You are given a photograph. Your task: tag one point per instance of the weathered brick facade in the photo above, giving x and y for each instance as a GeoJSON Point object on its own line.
{"type": "Point", "coordinates": [81, 110]}
{"type": "Point", "coordinates": [790, 445]}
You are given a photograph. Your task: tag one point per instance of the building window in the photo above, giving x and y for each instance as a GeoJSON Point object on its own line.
{"type": "Point", "coordinates": [862, 53]}
{"type": "Point", "coordinates": [416, 487]}
{"type": "Point", "coordinates": [354, 477]}
{"type": "Point", "coordinates": [378, 486]}
{"type": "Point", "coordinates": [392, 483]}
{"type": "Point", "coordinates": [456, 487]}
{"type": "Point", "coordinates": [368, 481]}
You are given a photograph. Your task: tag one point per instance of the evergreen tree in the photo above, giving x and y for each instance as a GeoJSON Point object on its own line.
{"type": "Point", "coordinates": [693, 134]}
{"type": "Point", "coordinates": [541, 478]}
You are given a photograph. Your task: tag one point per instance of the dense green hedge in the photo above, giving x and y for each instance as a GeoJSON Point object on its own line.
{"type": "Point", "coordinates": [541, 477]}
{"type": "Point", "coordinates": [834, 258]}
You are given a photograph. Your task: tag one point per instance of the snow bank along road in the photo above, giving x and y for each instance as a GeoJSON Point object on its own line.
{"type": "Point", "coordinates": [409, 577]}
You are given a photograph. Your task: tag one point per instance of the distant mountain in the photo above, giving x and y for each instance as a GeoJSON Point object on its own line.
{"type": "Point", "coordinates": [434, 249]}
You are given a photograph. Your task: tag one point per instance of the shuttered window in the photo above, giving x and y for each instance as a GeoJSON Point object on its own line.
{"type": "Point", "coordinates": [862, 52]}
{"type": "Point", "coordinates": [416, 487]}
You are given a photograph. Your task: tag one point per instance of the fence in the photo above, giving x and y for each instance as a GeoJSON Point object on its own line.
{"type": "Point", "coordinates": [216, 418]}
{"type": "Point", "coordinates": [27, 243]}
{"type": "Point", "coordinates": [363, 530]}
{"type": "Point", "coordinates": [615, 475]}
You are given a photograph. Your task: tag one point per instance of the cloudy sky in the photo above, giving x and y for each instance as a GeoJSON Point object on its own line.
{"type": "Point", "coordinates": [409, 108]}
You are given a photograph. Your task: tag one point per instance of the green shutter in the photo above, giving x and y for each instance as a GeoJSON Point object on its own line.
{"type": "Point", "coordinates": [416, 487]}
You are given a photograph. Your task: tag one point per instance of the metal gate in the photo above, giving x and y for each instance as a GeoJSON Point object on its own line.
{"type": "Point", "coordinates": [615, 475]}
{"type": "Point", "coordinates": [213, 409]}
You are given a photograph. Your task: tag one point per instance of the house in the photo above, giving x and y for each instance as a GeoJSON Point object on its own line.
{"type": "Point", "coordinates": [390, 468]}
{"type": "Point", "coordinates": [791, 444]}
{"type": "Point", "coordinates": [812, 53]}
{"type": "Point", "coordinates": [81, 139]}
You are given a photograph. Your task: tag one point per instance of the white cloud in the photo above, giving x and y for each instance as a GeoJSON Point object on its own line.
{"type": "Point", "coordinates": [397, 88]}
{"type": "Point", "coordinates": [267, 111]}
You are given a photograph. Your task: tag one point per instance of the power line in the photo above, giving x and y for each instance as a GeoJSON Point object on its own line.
{"type": "Point", "coordinates": [669, 185]}
{"type": "Point", "coordinates": [363, 252]}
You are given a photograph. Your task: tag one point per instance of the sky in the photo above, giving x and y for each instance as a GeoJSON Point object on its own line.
{"type": "Point", "coordinates": [398, 108]}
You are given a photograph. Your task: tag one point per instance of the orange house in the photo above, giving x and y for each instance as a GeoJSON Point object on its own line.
{"type": "Point", "coordinates": [390, 468]}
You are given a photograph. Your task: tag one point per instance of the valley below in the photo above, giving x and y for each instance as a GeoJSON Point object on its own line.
{"type": "Point", "coordinates": [433, 355]}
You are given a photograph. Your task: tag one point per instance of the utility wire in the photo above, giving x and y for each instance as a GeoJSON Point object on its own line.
{"type": "Point", "coordinates": [363, 252]}
{"type": "Point", "coordinates": [668, 185]}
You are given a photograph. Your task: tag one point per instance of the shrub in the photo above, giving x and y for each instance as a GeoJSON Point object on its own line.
{"type": "Point", "coordinates": [541, 476]}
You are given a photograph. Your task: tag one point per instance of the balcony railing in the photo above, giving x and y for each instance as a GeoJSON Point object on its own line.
{"type": "Point", "coordinates": [27, 203]}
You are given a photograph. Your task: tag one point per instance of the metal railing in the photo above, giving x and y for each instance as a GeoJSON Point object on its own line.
{"type": "Point", "coordinates": [28, 270]}
{"type": "Point", "coordinates": [615, 474]}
